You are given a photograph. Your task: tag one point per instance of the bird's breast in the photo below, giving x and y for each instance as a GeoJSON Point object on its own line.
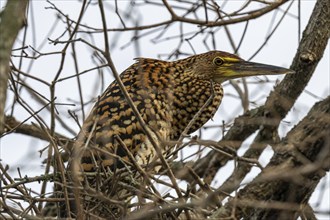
{"type": "Point", "coordinates": [166, 103]}
{"type": "Point", "coordinates": [189, 99]}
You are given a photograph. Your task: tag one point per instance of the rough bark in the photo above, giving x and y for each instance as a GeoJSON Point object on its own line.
{"type": "Point", "coordinates": [12, 19]}
{"type": "Point", "coordinates": [299, 162]}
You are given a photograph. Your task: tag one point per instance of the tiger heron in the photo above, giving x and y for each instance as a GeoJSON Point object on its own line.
{"type": "Point", "coordinates": [167, 96]}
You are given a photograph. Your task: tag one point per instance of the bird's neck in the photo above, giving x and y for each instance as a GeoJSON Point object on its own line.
{"type": "Point", "coordinates": [190, 95]}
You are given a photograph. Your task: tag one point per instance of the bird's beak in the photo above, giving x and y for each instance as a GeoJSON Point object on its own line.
{"type": "Point", "coordinates": [244, 68]}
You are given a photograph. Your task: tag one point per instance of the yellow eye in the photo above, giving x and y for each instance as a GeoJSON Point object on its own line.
{"type": "Point", "coordinates": [218, 61]}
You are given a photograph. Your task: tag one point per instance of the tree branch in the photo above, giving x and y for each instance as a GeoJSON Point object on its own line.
{"type": "Point", "coordinates": [9, 27]}
{"type": "Point", "coordinates": [300, 161]}
{"type": "Point", "coordinates": [12, 125]}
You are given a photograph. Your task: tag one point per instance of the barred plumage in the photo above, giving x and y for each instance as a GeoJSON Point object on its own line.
{"type": "Point", "coordinates": [167, 95]}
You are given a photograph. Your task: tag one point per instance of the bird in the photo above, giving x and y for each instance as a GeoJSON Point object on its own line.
{"type": "Point", "coordinates": [168, 96]}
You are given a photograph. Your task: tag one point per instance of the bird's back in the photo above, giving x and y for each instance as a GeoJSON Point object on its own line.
{"type": "Point", "coordinates": [167, 99]}
{"type": "Point", "coordinates": [112, 120]}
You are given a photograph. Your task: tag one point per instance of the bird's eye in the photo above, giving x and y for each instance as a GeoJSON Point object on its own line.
{"type": "Point", "coordinates": [218, 61]}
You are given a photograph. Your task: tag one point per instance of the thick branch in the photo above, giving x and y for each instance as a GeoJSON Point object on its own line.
{"type": "Point", "coordinates": [12, 19]}
{"type": "Point", "coordinates": [12, 125]}
{"type": "Point", "coordinates": [300, 161]}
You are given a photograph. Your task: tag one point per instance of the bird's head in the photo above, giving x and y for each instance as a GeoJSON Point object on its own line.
{"type": "Point", "coordinates": [221, 66]}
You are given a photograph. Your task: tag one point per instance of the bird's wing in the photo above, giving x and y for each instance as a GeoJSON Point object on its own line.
{"type": "Point", "coordinates": [112, 119]}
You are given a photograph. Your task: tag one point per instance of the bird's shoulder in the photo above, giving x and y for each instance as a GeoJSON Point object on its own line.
{"type": "Point", "coordinates": [112, 116]}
